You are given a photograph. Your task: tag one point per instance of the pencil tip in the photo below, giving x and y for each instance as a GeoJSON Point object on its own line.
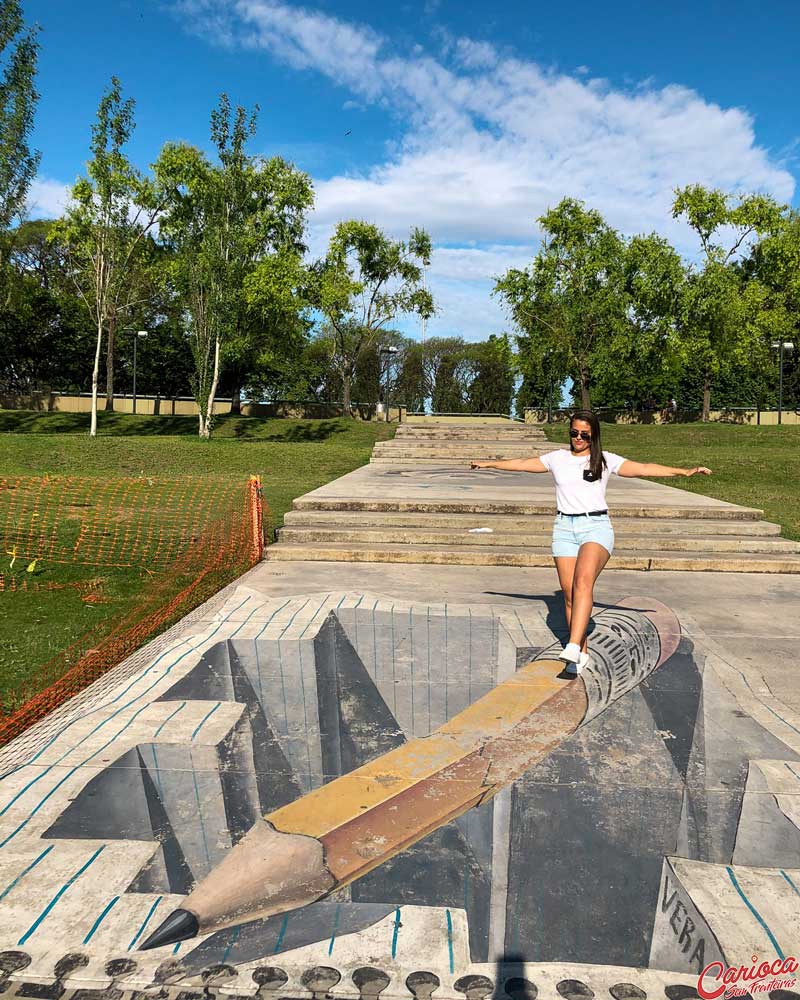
{"type": "Point", "coordinates": [179, 926]}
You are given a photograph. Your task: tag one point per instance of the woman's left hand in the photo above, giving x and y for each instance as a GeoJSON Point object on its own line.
{"type": "Point", "coordinates": [701, 469]}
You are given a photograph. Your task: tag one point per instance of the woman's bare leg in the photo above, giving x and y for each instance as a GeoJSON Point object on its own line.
{"type": "Point", "coordinates": [565, 567]}
{"type": "Point", "coordinates": [592, 557]}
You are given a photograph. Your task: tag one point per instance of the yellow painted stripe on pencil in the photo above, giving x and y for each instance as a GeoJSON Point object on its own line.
{"type": "Point", "coordinates": [500, 710]}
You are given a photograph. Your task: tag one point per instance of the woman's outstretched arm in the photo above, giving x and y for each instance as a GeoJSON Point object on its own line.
{"type": "Point", "coordinates": [513, 465]}
{"type": "Point", "coordinates": [633, 470]}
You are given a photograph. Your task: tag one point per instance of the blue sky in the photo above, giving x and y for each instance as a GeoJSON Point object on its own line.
{"type": "Point", "coordinates": [468, 119]}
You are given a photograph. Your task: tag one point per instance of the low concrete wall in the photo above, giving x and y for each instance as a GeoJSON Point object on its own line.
{"type": "Point", "coordinates": [732, 416]}
{"type": "Point", "coordinates": [185, 406]}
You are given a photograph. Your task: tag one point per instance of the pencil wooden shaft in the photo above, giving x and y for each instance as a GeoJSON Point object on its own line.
{"type": "Point", "coordinates": [340, 831]}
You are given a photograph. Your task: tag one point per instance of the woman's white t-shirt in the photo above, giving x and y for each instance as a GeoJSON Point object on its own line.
{"type": "Point", "coordinates": [574, 494]}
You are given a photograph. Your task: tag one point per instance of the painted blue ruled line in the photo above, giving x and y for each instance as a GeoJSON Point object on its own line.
{"type": "Point", "coordinates": [171, 716]}
{"type": "Point", "coordinates": [335, 928]}
{"type": "Point", "coordinates": [144, 924]}
{"type": "Point", "coordinates": [450, 940]}
{"type": "Point", "coordinates": [791, 883]}
{"type": "Point", "coordinates": [205, 719]}
{"type": "Point", "coordinates": [395, 931]}
{"type": "Point", "coordinates": [25, 871]}
{"type": "Point", "coordinates": [58, 896]}
{"type": "Point", "coordinates": [108, 908]}
{"type": "Point", "coordinates": [754, 911]}
{"type": "Point", "coordinates": [281, 932]}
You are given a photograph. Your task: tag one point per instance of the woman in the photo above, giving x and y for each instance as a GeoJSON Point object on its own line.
{"type": "Point", "coordinates": [583, 537]}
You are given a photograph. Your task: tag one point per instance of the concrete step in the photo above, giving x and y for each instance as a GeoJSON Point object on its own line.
{"type": "Point", "coordinates": [461, 447]}
{"type": "Point", "coordinates": [527, 523]}
{"type": "Point", "coordinates": [464, 421]}
{"type": "Point", "coordinates": [461, 555]}
{"type": "Point", "coordinates": [376, 537]}
{"type": "Point", "coordinates": [487, 432]}
{"type": "Point", "coordinates": [434, 506]}
{"type": "Point", "coordinates": [455, 461]}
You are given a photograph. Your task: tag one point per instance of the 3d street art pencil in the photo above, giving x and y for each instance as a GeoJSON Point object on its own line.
{"type": "Point", "coordinates": [301, 852]}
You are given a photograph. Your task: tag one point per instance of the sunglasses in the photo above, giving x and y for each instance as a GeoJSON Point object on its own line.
{"type": "Point", "coordinates": [583, 435]}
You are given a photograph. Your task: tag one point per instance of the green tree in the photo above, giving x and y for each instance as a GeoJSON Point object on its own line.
{"type": "Point", "coordinates": [494, 374]}
{"type": "Point", "coordinates": [775, 263]}
{"type": "Point", "coordinates": [643, 361]}
{"type": "Point", "coordinates": [449, 368]}
{"type": "Point", "coordinates": [722, 314]}
{"type": "Point", "coordinates": [378, 371]}
{"type": "Point", "coordinates": [364, 282]}
{"type": "Point", "coordinates": [235, 229]}
{"type": "Point", "coordinates": [275, 322]}
{"type": "Point", "coordinates": [106, 229]}
{"type": "Point", "coordinates": [19, 51]}
{"type": "Point", "coordinates": [544, 371]}
{"type": "Point", "coordinates": [571, 301]}
{"type": "Point", "coordinates": [412, 389]}
{"type": "Point", "coordinates": [43, 337]}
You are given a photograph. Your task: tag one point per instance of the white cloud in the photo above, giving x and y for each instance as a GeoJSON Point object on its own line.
{"type": "Point", "coordinates": [489, 141]}
{"type": "Point", "coordinates": [47, 198]}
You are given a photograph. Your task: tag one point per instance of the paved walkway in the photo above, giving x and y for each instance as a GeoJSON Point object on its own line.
{"type": "Point", "coordinates": [482, 486]}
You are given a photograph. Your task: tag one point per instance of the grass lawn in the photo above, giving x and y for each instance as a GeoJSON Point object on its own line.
{"type": "Point", "coordinates": [752, 466]}
{"type": "Point", "coordinates": [291, 456]}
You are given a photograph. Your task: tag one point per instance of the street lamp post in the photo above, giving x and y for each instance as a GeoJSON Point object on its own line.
{"type": "Point", "coordinates": [780, 347]}
{"type": "Point", "coordinates": [388, 351]}
{"type": "Point", "coordinates": [139, 334]}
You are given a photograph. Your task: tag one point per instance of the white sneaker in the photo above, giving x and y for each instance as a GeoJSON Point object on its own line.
{"type": "Point", "coordinates": [571, 653]}
{"type": "Point", "coordinates": [576, 668]}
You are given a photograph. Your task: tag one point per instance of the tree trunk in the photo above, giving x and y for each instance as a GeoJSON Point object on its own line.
{"type": "Point", "coordinates": [206, 418]}
{"type": "Point", "coordinates": [706, 398]}
{"type": "Point", "coordinates": [95, 378]}
{"type": "Point", "coordinates": [346, 380]}
{"type": "Point", "coordinates": [112, 323]}
{"type": "Point", "coordinates": [236, 397]}
{"type": "Point", "coordinates": [586, 402]}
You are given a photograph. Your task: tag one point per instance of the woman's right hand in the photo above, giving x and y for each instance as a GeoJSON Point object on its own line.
{"type": "Point", "coordinates": [478, 465]}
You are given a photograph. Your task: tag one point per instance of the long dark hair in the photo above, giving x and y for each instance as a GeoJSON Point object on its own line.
{"type": "Point", "coordinates": [596, 460]}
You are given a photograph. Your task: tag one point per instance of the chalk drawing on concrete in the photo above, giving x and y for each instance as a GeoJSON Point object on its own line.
{"type": "Point", "coordinates": [662, 834]}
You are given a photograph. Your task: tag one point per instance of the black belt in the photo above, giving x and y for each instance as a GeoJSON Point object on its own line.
{"type": "Point", "coordinates": [588, 513]}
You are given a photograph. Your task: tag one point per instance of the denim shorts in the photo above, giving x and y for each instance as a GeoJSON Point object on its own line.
{"type": "Point", "coordinates": [570, 531]}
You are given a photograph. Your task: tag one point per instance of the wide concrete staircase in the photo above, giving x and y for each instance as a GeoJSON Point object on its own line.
{"type": "Point", "coordinates": [386, 518]}
{"type": "Point", "coordinates": [458, 444]}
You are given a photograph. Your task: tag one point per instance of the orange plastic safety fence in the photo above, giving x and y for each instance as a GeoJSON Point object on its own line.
{"type": "Point", "coordinates": [192, 536]}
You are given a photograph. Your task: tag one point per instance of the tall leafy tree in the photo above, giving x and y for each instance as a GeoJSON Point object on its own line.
{"type": "Point", "coordinates": [107, 228]}
{"type": "Point", "coordinates": [775, 263]}
{"type": "Point", "coordinates": [642, 361]}
{"type": "Point", "coordinates": [43, 336]}
{"type": "Point", "coordinates": [378, 369]}
{"type": "Point", "coordinates": [19, 50]}
{"type": "Point", "coordinates": [544, 372]}
{"type": "Point", "coordinates": [494, 373]}
{"type": "Point", "coordinates": [236, 229]}
{"type": "Point", "coordinates": [364, 282]}
{"type": "Point", "coordinates": [449, 367]}
{"type": "Point", "coordinates": [722, 310]}
{"type": "Point", "coordinates": [412, 389]}
{"type": "Point", "coordinates": [571, 300]}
